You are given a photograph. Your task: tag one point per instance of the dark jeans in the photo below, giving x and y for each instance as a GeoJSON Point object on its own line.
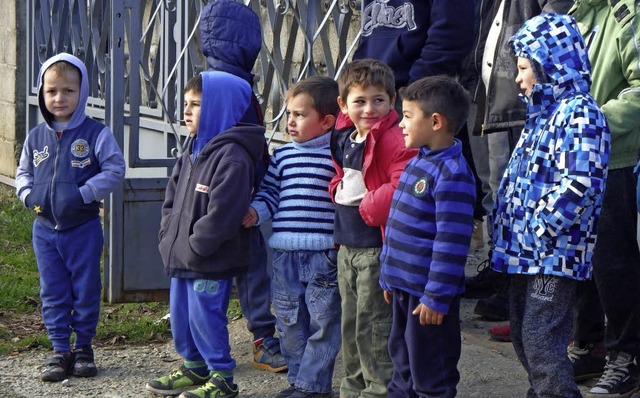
{"type": "Point", "coordinates": [616, 272]}
{"type": "Point", "coordinates": [425, 357]}
{"type": "Point", "coordinates": [254, 290]}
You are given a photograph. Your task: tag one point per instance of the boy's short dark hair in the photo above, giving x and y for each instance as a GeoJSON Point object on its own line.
{"type": "Point", "coordinates": [366, 73]}
{"type": "Point", "coordinates": [323, 91]}
{"type": "Point", "coordinates": [194, 85]}
{"type": "Point", "coordinates": [440, 94]}
{"type": "Point", "coordinates": [61, 67]}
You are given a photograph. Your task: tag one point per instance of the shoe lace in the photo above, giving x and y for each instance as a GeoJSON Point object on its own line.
{"type": "Point", "coordinates": [482, 269]}
{"type": "Point", "coordinates": [574, 352]}
{"type": "Point", "coordinates": [614, 371]}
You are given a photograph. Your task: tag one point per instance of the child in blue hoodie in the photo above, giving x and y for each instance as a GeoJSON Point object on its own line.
{"type": "Point", "coordinates": [546, 214]}
{"type": "Point", "coordinates": [69, 163]}
{"type": "Point", "coordinates": [202, 242]}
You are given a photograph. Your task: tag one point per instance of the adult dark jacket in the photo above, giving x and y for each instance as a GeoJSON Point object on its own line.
{"type": "Point", "coordinates": [211, 186]}
{"type": "Point", "coordinates": [417, 38]}
{"type": "Point", "coordinates": [499, 107]}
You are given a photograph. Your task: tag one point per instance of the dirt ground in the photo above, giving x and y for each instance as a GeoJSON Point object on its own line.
{"type": "Point", "coordinates": [488, 369]}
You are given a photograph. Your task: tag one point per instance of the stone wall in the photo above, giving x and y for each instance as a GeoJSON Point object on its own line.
{"type": "Point", "coordinates": [12, 86]}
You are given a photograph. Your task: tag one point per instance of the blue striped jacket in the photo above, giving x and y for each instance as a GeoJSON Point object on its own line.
{"type": "Point", "coordinates": [429, 228]}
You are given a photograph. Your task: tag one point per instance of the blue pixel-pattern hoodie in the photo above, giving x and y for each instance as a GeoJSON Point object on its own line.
{"type": "Point", "coordinates": [63, 178]}
{"type": "Point", "coordinates": [211, 186]}
{"type": "Point", "coordinates": [546, 213]}
{"type": "Point", "coordinates": [429, 228]}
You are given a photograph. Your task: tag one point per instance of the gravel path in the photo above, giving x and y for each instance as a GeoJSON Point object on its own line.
{"type": "Point", "coordinates": [488, 369]}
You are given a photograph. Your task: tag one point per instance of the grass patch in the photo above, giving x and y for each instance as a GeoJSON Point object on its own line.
{"type": "Point", "coordinates": [21, 326]}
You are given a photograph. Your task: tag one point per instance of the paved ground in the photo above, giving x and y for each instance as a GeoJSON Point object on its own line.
{"type": "Point", "coordinates": [488, 368]}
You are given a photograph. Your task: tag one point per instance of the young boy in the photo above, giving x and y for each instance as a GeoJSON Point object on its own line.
{"type": "Point", "coordinates": [306, 298]}
{"type": "Point", "coordinates": [368, 151]}
{"type": "Point", "coordinates": [69, 163]}
{"type": "Point", "coordinates": [202, 242]}
{"type": "Point", "coordinates": [427, 240]}
{"type": "Point", "coordinates": [546, 216]}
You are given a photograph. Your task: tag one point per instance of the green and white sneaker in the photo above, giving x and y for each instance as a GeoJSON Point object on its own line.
{"type": "Point", "coordinates": [178, 381]}
{"type": "Point", "coordinates": [216, 387]}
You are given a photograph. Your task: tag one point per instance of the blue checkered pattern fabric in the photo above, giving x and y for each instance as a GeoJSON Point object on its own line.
{"type": "Point", "coordinates": [546, 213]}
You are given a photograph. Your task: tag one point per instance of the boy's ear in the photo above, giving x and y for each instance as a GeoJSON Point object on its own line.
{"type": "Point", "coordinates": [327, 122]}
{"type": "Point", "coordinates": [437, 121]}
{"type": "Point", "coordinates": [343, 106]}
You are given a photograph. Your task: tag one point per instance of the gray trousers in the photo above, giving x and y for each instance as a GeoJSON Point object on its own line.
{"type": "Point", "coordinates": [541, 313]}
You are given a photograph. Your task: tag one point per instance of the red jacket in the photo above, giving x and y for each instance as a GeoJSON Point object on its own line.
{"type": "Point", "coordinates": [385, 156]}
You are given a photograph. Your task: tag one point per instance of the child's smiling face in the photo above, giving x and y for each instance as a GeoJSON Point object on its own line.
{"type": "Point", "coordinates": [365, 106]}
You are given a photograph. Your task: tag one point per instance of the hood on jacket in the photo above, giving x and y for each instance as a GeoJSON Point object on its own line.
{"type": "Point", "coordinates": [554, 42]}
{"type": "Point", "coordinates": [78, 115]}
{"type": "Point", "coordinates": [225, 98]}
{"type": "Point", "coordinates": [230, 37]}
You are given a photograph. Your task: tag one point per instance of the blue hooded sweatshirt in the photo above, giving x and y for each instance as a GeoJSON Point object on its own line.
{"type": "Point", "coordinates": [63, 177]}
{"type": "Point", "coordinates": [548, 203]}
{"type": "Point", "coordinates": [211, 186]}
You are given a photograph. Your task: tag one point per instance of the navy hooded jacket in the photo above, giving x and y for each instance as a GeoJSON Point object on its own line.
{"type": "Point", "coordinates": [201, 233]}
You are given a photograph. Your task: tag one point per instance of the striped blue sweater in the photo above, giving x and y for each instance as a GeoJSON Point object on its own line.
{"type": "Point", "coordinates": [295, 193]}
{"type": "Point", "coordinates": [429, 228]}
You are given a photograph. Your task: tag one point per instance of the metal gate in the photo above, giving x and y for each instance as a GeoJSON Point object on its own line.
{"type": "Point", "coordinates": [139, 54]}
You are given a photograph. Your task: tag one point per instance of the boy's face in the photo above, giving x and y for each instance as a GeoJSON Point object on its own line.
{"type": "Point", "coordinates": [526, 78]}
{"type": "Point", "coordinates": [192, 101]}
{"type": "Point", "coordinates": [61, 92]}
{"type": "Point", "coordinates": [366, 106]}
{"type": "Point", "coordinates": [418, 128]}
{"type": "Point", "coordinates": [303, 121]}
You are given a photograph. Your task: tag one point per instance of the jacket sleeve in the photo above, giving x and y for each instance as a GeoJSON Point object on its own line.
{"type": "Point", "coordinates": [169, 195]}
{"type": "Point", "coordinates": [229, 198]}
{"type": "Point", "coordinates": [376, 203]}
{"type": "Point", "coordinates": [582, 160]}
{"type": "Point", "coordinates": [555, 6]}
{"type": "Point", "coordinates": [112, 169]}
{"type": "Point", "coordinates": [454, 202]}
{"type": "Point", "coordinates": [623, 111]}
{"type": "Point", "coordinates": [24, 173]}
{"type": "Point", "coordinates": [449, 39]}
{"type": "Point", "coordinates": [267, 199]}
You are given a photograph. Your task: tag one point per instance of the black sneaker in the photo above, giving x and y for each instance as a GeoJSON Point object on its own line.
{"type": "Point", "coordinates": [83, 364]}
{"type": "Point", "coordinates": [588, 359]}
{"type": "Point", "coordinates": [286, 393]}
{"type": "Point", "coordinates": [484, 284]}
{"type": "Point", "coordinates": [310, 394]}
{"type": "Point", "coordinates": [494, 308]}
{"type": "Point", "coordinates": [56, 367]}
{"type": "Point", "coordinates": [620, 377]}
